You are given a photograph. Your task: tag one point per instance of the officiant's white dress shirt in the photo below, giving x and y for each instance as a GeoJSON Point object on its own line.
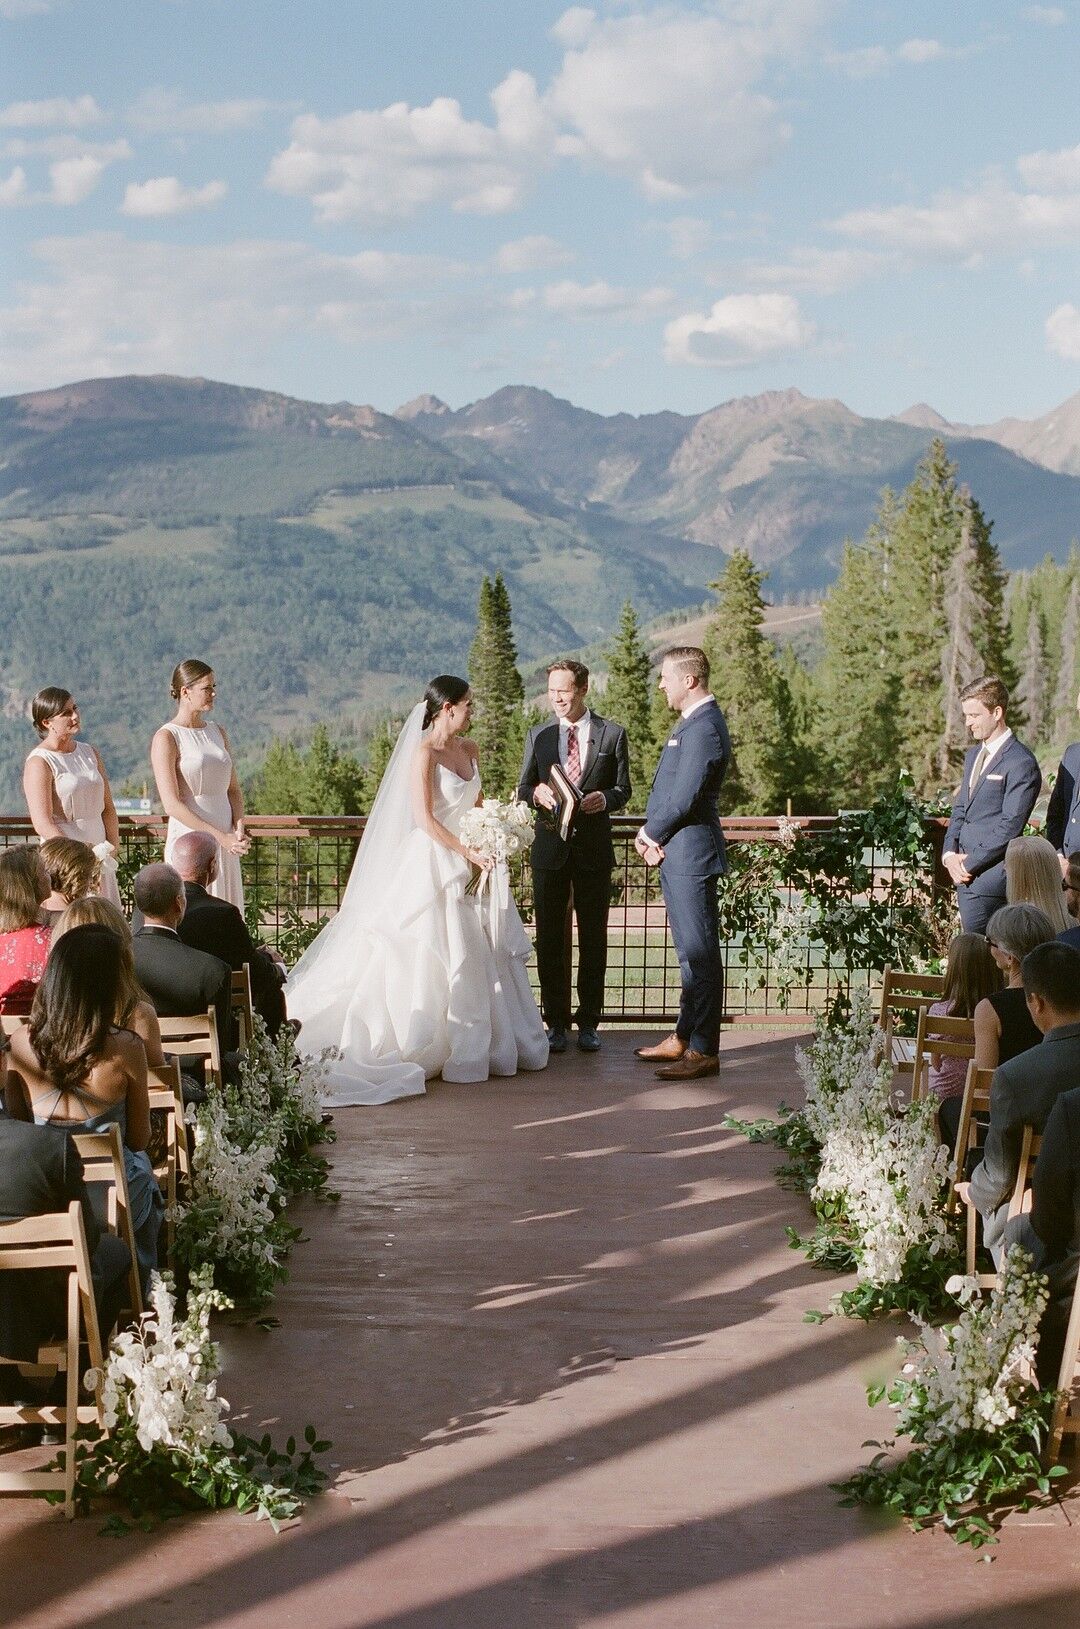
{"type": "Point", "coordinates": [582, 727]}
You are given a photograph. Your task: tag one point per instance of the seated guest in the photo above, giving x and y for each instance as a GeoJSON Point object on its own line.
{"type": "Point", "coordinates": [971, 976]}
{"type": "Point", "coordinates": [74, 871]}
{"type": "Point", "coordinates": [1033, 877]}
{"type": "Point", "coordinates": [1070, 888]}
{"type": "Point", "coordinates": [72, 1067]}
{"type": "Point", "coordinates": [179, 980]}
{"type": "Point", "coordinates": [1063, 813]}
{"type": "Point", "coordinates": [24, 936]}
{"type": "Point", "coordinates": [1025, 1089]}
{"type": "Point", "coordinates": [41, 1173]}
{"type": "Point", "coordinates": [216, 926]}
{"type": "Point", "coordinates": [135, 1011]}
{"type": "Point", "coordinates": [1003, 1024]}
{"type": "Point", "coordinates": [1051, 1232]}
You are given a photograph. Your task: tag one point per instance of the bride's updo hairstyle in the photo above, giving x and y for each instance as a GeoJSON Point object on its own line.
{"type": "Point", "coordinates": [189, 672]}
{"type": "Point", "coordinates": [445, 691]}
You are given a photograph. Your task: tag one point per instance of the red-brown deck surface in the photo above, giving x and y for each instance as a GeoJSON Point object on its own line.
{"type": "Point", "coordinates": [556, 1335]}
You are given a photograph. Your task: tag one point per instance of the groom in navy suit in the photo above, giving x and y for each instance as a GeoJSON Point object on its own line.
{"type": "Point", "coordinates": [683, 836]}
{"type": "Point", "coordinates": [1000, 785]}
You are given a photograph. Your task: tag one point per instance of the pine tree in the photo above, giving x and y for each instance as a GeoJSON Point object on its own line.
{"type": "Point", "coordinates": [498, 691]}
{"type": "Point", "coordinates": [382, 745]}
{"type": "Point", "coordinates": [661, 720]}
{"type": "Point", "coordinates": [332, 779]}
{"type": "Point", "coordinates": [746, 683]}
{"type": "Point", "coordinates": [991, 637]}
{"type": "Point", "coordinates": [1032, 689]}
{"type": "Point", "coordinates": [856, 734]}
{"type": "Point", "coordinates": [276, 788]}
{"type": "Point", "coordinates": [967, 616]}
{"type": "Point", "coordinates": [627, 699]}
{"type": "Point", "coordinates": [1064, 713]}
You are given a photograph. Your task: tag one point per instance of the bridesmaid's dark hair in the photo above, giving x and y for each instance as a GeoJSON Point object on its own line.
{"type": "Point", "coordinates": [444, 691]}
{"type": "Point", "coordinates": [189, 672]}
{"type": "Point", "coordinates": [75, 1004]}
{"type": "Point", "coordinates": [47, 704]}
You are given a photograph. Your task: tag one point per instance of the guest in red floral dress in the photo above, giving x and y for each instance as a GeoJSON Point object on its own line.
{"type": "Point", "coordinates": [24, 938]}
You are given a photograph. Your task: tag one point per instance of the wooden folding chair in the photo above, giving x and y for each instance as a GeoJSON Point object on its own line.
{"type": "Point", "coordinates": [102, 1155]}
{"type": "Point", "coordinates": [940, 1036]}
{"type": "Point", "coordinates": [976, 1102]}
{"type": "Point", "coordinates": [1065, 1420]}
{"type": "Point", "coordinates": [195, 1037]}
{"type": "Point", "coordinates": [166, 1077]}
{"type": "Point", "coordinates": [166, 1099]}
{"type": "Point", "coordinates": [904, 994]}
{"type": "Point", "coordinates": [55, 1241]}
{"type": "Point", "coordinates": [10, 1022]}
{"type": "Point", "coordinates": [241, 1007]}
{"type": "Point", "coordinates": [1019, 1202]}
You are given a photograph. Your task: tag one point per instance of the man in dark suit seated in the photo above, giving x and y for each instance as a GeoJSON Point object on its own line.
{"type": "Point", "coordinates": [998, 790]}
{"type": "Point", "coordinates": [1051, 1231]}
{"type": "Point", "coordinates": [217, 927]}
{"type": "Point", "coordinates": [179, 980]}
{"type": "Point", "coordinates": [40, 1174]}
{"type": "Point", "coordinates": [1025, 1089]}
{"type": "Point", "coordinates": [1071, 885]}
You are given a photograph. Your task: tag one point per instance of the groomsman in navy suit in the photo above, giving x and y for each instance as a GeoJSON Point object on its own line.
{"type": "Point", "coordinates": [683, 836]}
{"type": "Point", "coordinates": [1063, 815]}
{"type": "Point", "coordinates": [1000, 784]}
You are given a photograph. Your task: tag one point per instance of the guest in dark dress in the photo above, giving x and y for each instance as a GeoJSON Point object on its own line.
{"type": "Point", "coordinates": [1003, 1025]}
{"type": "Point", "coordinates": [1070, 888]}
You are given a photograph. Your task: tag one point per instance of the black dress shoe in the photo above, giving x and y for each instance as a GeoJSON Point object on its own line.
{"type": "Point", "coordinates": [556, 1038]}
{"type": "Point", "coordinates": [588, 1040]}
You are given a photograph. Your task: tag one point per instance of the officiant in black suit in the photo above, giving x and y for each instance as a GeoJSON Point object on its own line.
{"type": "Point", "coordinates": [594, 755]}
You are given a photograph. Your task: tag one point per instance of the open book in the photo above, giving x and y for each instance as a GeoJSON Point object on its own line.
{"type": "Point", "coordinates": [567, 801]}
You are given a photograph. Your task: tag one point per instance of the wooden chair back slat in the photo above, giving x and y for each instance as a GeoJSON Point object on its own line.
{"type": "Point", "coordinates": [195, 1037]}
{"type": "Point", "coordinates": [976, 1101]}
{"type": "Point", "coordinates": [10, 1022]}
{"type": "Point", "coordinates": [939, 1035]}
{"type": "Point", "coordinates": [901, 994]}
{"type": "Point", "coordinates": [241, 1006]}
{"type": "Point", "coordinates": [102, 1154]}
{"type": "Point", "coordinates": [57, 1240]}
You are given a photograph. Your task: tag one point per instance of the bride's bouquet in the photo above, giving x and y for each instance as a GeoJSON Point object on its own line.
{"type": "Point", "coordinates": [496, 830]}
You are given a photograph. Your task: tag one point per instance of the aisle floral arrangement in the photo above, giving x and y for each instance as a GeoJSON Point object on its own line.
{"type": "Point", "coordinates": [873, 1169]}
{"type": "Point", "coordinates": [966, 1398]}
{"type": "Point", "coordinates": [254, 1146]}
{"type": "Point", "coordinates": [166, 1446]}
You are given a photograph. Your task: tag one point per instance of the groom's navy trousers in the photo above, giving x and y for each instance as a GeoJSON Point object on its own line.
{"type": "Point", "coordinates": [682, 815]}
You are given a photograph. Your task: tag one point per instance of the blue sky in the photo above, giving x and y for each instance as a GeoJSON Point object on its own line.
{"type": "Point", "coordinates": [636, 206]}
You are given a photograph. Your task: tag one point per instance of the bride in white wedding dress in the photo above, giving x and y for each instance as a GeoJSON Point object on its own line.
{"type": "Point", "coordinates": [413, 977]}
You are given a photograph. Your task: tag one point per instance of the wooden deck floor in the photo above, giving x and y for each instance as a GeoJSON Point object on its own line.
{"type": "Point", "coordinates": [556, 1335]}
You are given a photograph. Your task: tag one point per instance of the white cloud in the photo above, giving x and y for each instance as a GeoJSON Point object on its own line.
{"type": "Point", "coordinates": [539, 253]}
{"type": "Point", "coordinates": [688, 236]}
{"type": "Point", "coordinates": [817, 271]}
{"type": "Point", "coordinates": [1063, 332]}
{"type": "Point", "coordinates": [959, 226]}
{"type": "Point", "coordinates": [164, 112]}
{"type": "Point", "coordinates": [1048, 16]}
{"type": "Point", "coordinates": [13, 188]}
{"type": "Point", "coordinates": [13, 9]}
{"type": "Point", "coordinates": [74, 179]}
{"type": "Point", "coordinates": [1052, 172]}
{"type": "Point", "coordinates": [384, 166]}
{"type": "Point", "coordinates": [866, 60]}
{"type": "Point", "coordinates": [59, 110]}
{"type": "Point", "coordinates": [740, 330]}
{"type": "Point", "coordinates": [66, 147]}
{"type": "Point", "coordinates": [671, 97]}
{"type": "Point", "coordinates": [102, 303]}
{"type": "Point", "coordinates": [571, 299]}
{"type": "Point", "coordinates": [165, 195]}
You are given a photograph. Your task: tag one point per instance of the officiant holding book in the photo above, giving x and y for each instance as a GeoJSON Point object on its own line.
{"type": "Point", "coordinates": [577, 775]}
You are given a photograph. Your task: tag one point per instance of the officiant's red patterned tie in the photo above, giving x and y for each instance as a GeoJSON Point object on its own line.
{"type": "Point", "coordinates": [573, 756]}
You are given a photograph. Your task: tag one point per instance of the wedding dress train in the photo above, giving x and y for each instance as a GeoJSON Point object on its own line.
{"type": "Point", "coordinates": [428, 979]}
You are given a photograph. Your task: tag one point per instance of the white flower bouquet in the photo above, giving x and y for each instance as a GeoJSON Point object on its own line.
{"type": "Point", "coordinates": [496, 830]}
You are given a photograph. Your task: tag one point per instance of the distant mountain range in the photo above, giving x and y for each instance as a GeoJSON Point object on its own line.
{"type": "Point", "coordinates": [326, 557]}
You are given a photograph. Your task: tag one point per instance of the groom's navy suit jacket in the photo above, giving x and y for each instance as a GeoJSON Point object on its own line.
{"type": "Point", "coordinates": [682, 813]}
{"type": "Point", "coordinates": [606, 769]}
{"type": "Point", "coordinates": [986, 819]}
{"type": "Point", "coordinates": [1063, 815]}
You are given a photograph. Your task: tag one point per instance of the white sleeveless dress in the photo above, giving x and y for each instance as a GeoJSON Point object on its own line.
{"type": "Point", "coordinates": [80, 791]}
{"type": "Point", "coordinates": [204, 773]}
{"type": "Point", "coordinates": [440, 989]}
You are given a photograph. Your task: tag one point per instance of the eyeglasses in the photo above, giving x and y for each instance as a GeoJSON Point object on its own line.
{"type": "Point", "coordinates": [993, 944]}
{"type": "Point", "coordinates": [1068, 887]}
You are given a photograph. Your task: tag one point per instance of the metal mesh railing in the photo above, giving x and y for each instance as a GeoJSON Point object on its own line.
{"type": "Point", "coordinates": [298, 866]}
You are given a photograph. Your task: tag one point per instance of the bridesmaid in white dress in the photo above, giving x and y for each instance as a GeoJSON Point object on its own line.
{"type": "Point", "coordinates": [196, 778]}
{"type": "Point", "coordinates": [66, 787]}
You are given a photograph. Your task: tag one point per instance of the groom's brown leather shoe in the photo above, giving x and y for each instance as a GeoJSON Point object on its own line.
{"type": "Point", "coordinates": [665, 1051]}
{"type": "Point", "coordinates": [691, 1066]}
